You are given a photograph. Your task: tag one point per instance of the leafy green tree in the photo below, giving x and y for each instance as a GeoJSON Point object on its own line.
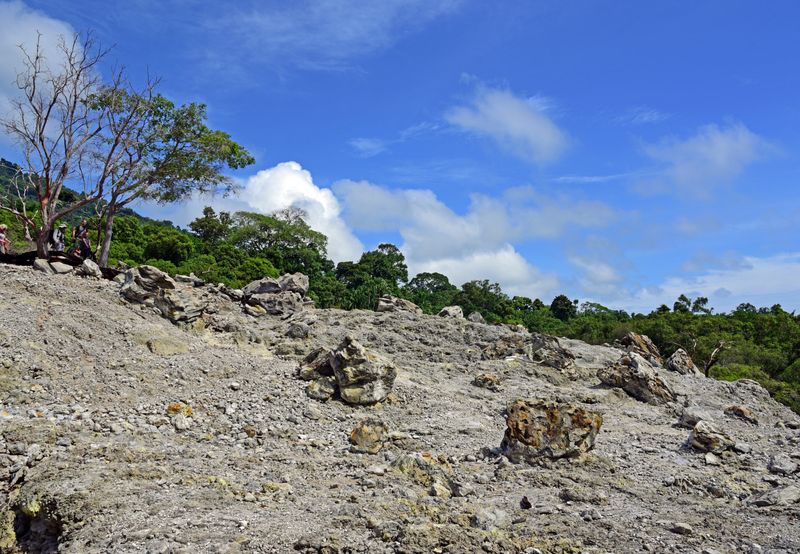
{"type": "Point", "coordinates": [563, 308]}
{"type": "Point", "coordinates": [682, 304]}
{"type": "Point", "coordinates": [211, 228]}
{"type": "Point", "coordinates": [430, 291]}
{"type": "Point", "coordinates": [488, 299]}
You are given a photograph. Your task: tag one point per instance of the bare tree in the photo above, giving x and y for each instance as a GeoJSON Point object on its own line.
{"type": "Point", "coordinates": [59, 130]}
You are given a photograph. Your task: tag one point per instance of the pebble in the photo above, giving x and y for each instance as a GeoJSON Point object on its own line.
{"type": "Point", "coordinates": [682, 528]}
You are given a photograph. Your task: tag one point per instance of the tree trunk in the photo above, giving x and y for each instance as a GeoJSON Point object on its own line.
{"type": "Point", "coordinates": [109, 228]}
{"type": "Point", "coordinates": [42, 240]}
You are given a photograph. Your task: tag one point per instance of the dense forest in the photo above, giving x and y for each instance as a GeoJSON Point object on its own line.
{"type": "Point", "coordinates": [760, 343]}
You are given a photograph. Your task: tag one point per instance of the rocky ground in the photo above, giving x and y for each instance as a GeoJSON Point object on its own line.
{"type": "Point", "coordinates": [123, 432]}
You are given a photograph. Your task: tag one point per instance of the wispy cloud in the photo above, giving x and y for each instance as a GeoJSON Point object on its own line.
{"type": "Point", "coordinates": [369, 147]}
{"type": "Point", "coordinates": [588, 179]}
{"type": "Point", "coordinates": [519, 125]}
{"type": "Point", "coordinates": [715, 156]}
{"type": "Point", "coordinates": [642, 115]}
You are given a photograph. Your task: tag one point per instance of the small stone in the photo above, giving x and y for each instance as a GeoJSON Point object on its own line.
{"type": "Point", "coordinates": [707, 438]}
{"type": "Point", "coordinates": [234, 385]}
{"type": "Point", "coordinates": [712, 459]}
{"type": "Point", "coordinates": [742, 448]}
{"type": "Point", "coordinates": [368, 436]}
{"type": "Point", "coordinates": [682, 528]}
{"type": "Point", "coordinates": [742, 412]}
{"type": "Point", "coordinates": [181, 422]}
{"type": "Point", "coordinates": [779, 496]}
{"type": "Point", "coordinates": [781, 464]}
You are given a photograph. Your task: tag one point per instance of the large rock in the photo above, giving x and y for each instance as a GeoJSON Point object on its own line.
{"type": "Point", "coordinates": [150, 286]}
{"type": "Point", "coordinates": [707, 438]}
{"type": "Point", "coordinates": [281, 297]}
{"type": "Point", "coordinates": [638, 378]}
{"type": "Point", "coordinates": [89, 269]}
{"type": "Point", "coordinates": [779, 496]}
{"type": "Point", "coordinates": [454, 312]}
{"type": "Point", "coordinates": [315, 365]}
{"type": "Point", "coordinates": [40, 264]}
{"type": "Point", "coordinates": [283, 303]}
{"type": "Point", "coordinates": [368, 436]}
{"type": "Point", "coordinates": [61, 268]}
{"type": "Point", "coordinates": [538, 429]}
{"type": "Point", "coordinates": [681, 362]}
{"type": "Point", "coordinates": [142, 284]}
{"type": "Point", "coordinates": [642, 345]}
{"type": "Point", "coordinates": [546, 350]}
{"type": "Point", "coordinates": [394, 304]}
{"type": "Point", "coordinates": [294, 282]}
{"type": "Point", "coordinates": [363, 377]}
{"type": "Point", "coordinates": [476, 317]}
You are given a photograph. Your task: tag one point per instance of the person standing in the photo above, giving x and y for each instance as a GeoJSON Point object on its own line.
{"type": "Point", "coordinates": [5, 244]}
{"type": "Point", "coordinates": [80, 229]}
{"type": "Point", "coordinates": [58, 238]}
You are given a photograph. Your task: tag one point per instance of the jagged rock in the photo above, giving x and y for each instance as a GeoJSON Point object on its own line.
{"type": "Point", "coordinates": [40, 264]}
{"type": "Point", "coordinates": [151, 286]}
{"type": "Point", "coordinates": [281, 303]}
{"type": "Point", "coordinates": [190, 279]}
{"type": "Point", "coordinates": [321, 388]}
{"type": "Point", "coordinates": [642, 345]}
{"type": "Point", "coordinates": [636, 376]}
{"type": "Point", "coordinates": [707, 438]}
{"type": "Point", "coordinates": [504, 347]}
{"type": "Point", "coordinates": [476, 317]}
{"type": "Point", "coordinates": [363, 377]}
{"type": "Point", "coordinates": [781, 464]}
{"type": "Point", "coordinates": [317, 364]}
{"type": "Point", "coordinates": [452, 311]}
{"type": "Point", "coordinates": [682, 363]}
{"type": "Point", "coordinates": [143, 283]}
{"type": "Point", "coordinates": [294, 282]}
{"type": "Point", "coordinates": [266, 285]}
{"type": "Point", "coordinates": [487, 381]}
{"type": "Point", "coordinates": [546, 350]}
{"type": "Point", "coordinates": [180, 305]}
{"type": "Point", "coordinates": [742, 412]}
{"type": "Point", "coordinates": [89, 269]}
{"type": "Point", "coordinates": [538, 428]}
{"type": "Point", "coordinates": [394, 304]}
{"type": "Point", "coordinates": [61, 268]}
{"type": "Point", "coordinates": [368, 436]}
{"type": "Point", "coordinates": [779, 496]}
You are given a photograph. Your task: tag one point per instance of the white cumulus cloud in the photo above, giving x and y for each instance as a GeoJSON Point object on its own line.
{"type": "Point", "coordinates": [713, 157]}
{"type": "Point", "coordinates": [518, 125]}
{"type": "Point", "coordinates": [289, 185]}
{"type": "Point", "coordinates": [20, 26]}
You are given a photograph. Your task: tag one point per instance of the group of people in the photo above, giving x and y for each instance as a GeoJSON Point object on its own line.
{"type": "Point", "coordinates": [57, 240]}
{"type": "Point", "coordinates": [82, 246]}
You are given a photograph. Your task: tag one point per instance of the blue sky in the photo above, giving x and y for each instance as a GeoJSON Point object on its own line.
{"type": "Point", "coordinates": [618, 151]}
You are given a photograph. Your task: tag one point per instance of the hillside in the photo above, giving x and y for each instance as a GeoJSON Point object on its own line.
{"type": "Point", "coordinates": [125, 432]}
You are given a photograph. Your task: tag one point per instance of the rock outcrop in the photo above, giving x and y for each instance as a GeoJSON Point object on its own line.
{"type": "Point", "coordinates": [362, 377]}
{"type": "Point", "coordinates": [536, 429]}
{"type": "Point", "coordinates": [682, 363]}
{"type": "Point", "coordinates": [89, 268]}
{"type": "Point", "coordinates": [394, 304]}
{"type": "Point", "coordinates": [454, 312]}
{"type": "Point", "coordinates": [476, 317]}
{"type": "Point", "coordinates": [637, 377]}
{"type": "Point", "coordinates": [280, 297]}
{"type": "Point", "coordinates": [642, 345]}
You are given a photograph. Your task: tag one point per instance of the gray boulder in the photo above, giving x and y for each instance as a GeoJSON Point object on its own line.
{"type": "Point", "coordinates": [267, 285]}
{"type": "Point", "coordinates": [282, 303]}
{"type": "Point", "coordinates": [40, 264]}
{"type": "Point", "coordinates": [142, 284]}
{"type": "Point", "coordinates": [363, 377]}
{"type": "Point", "coordinates": [707, 438]}
{"type": "Point", "coordinates": [89, 269]}
{"type": "Point", "coordinates": [682, 363]}
{"type": "Point", "coordinates": [281, 297]}
{"type": "Point", "coordinates": [476, 317]}
{"type": "Point", "coordinates": [637, 377]}
{"type": "Point", "coordinates": [394, 304]}
{"type": "Point", "coordinates": [454, 312]}
{"type": "Point", "coordinates": [294, 282]}
{"type": "Point", "coordinates": [642, 345]}
{"type": "Point", "coordinates": [61, 268]}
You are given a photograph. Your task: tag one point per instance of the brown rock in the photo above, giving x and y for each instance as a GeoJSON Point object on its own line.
{"type": "Point", "coordinates": [638, 378]}
{"type": "Point", "coordinates": [363, 377]}
{"type": "Point", "coordinates": [707, 438]}
{"type": "Point", "coordinates": [548, 429]}
{"type": "Point", "coordinates": [487, 381]}
{"type": "Point", "coordinates": [368, 436]}
{"type": "Point", "coordinates": [742, 412]}
{"type": "Point", "coordinates": [642, 345]}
